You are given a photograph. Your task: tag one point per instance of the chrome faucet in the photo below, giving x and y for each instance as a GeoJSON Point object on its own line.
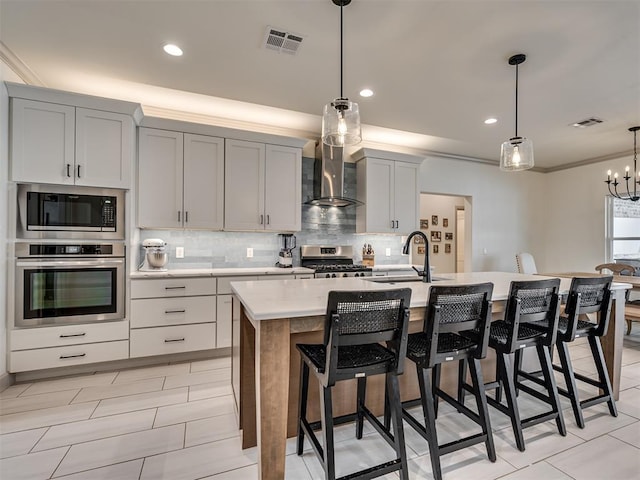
{"type": "Point", "coordinates": [426, 274]}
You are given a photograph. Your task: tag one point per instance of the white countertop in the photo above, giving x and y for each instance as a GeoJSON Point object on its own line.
{"type": "Point", "coordinates": [302, 298]}
{"type": "Point", "coordinates": [222, 272]}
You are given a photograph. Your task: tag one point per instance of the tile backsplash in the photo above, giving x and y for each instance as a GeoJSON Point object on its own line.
{"type": "Point", "coordinates": [320, 225]}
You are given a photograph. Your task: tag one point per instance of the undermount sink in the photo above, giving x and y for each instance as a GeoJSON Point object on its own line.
{"type": "Point", "coordinates": [392, 281]}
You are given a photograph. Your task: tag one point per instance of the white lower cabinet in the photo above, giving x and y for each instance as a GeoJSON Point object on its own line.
{"type": "Point", "coordinates": [26, 360]}
{"type": "Point", "coordinates": [146, 342]}
{"type": "Point", "coordinates": [172, 315]}
{"type": "Point", "coordinates": [66, 345]}
{"type": "Point", "coordinates": [223, 313]}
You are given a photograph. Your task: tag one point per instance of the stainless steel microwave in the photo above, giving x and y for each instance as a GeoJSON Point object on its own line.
{"type": "Point", "coordinates": [69, 212]}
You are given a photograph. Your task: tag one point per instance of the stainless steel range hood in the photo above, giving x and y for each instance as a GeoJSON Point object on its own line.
{"type": "Point", "coordinates": [328, 181]}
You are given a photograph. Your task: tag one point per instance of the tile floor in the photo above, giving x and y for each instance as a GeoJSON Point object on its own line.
{"type": "Point", "coordinates": [177, 421]}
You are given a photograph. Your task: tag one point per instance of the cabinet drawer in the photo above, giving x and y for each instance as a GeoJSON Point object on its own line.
{"type": "Point", "coordinates": [157, 312]}
{"type": "Point", "coordinates": [224, 282]}
{"type": "Point", "coordinates": [172, 287]}
{"type": "Point", "coordinates": [26, 360]}
{"type": "Point", "coordinates": [24, 339]}
{"type": "Point", "coordinates": [166, 340]}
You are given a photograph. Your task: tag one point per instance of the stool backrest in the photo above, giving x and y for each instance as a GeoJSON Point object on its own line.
{"type": "Point", "coordinates": [365, 317]}
{"type": "Point", "coordinates": [533, 301]}
{"type": "Point", "coordinates": [589, 295]}
{"type": "Point", "coordinates": [457, 308]}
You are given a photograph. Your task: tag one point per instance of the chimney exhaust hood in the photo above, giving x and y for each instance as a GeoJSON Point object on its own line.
{"type": "Point", "coordinates": [328, 181]}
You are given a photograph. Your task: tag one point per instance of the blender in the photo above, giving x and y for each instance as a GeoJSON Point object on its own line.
{"type": "Point", "coordinates": [287, 244]}
{"type": "Point", "coordinates": [155, 255]}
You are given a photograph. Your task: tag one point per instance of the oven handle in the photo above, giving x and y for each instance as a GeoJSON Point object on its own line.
{"type": "Point", "coordinates": [68, 263]}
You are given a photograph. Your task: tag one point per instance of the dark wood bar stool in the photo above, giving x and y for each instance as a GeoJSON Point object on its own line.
{"type": "Point", "coordinates": [586, 296]}
{"type": "Point", "coordinates": [355, 324]}
{"type": "Point", "coordinates": [451, 310]}
{"type": "Point", "coordinates": [529, 301]}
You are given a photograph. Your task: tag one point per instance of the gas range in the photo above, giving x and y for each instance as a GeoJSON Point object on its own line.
{"type": "Point", "coordinates": [332, 261]}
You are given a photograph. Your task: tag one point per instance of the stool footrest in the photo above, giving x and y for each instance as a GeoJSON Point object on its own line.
{"type": "Point", "coordinates": [374, 472]}
{"type": "Point", "coordinates": [588, 402]}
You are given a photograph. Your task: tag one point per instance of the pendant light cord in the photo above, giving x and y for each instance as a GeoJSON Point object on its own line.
{"type": "Point", "coordinates": [516, 100]}
{"type": "Point", "coordinates": [341, 48]}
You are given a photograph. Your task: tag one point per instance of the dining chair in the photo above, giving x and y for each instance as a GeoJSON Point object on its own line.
{"type": "Point", "coordinates": [616, 268]}
{"type": "Point", "coordinates": [528, 301]}
{"type": "Point", "coordinates": [591, 295]}
{"type": "Point", "coordinates": [356, 323]}
{"type": "Point", "coordinates": [451, 310]}
{"type": "Point", "coordinates": [526, 263]}
{"type": "Point", "coordinates": [632, 307]}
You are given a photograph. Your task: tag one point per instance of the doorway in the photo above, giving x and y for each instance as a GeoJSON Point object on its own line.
{"type": "Point", "coordinates": [446, 221]}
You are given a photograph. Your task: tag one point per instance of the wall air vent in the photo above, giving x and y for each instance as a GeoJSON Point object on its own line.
{"type": "Point", "coordinates": [281, 41]}
{"type": "Point", "coordinates": [589, 122]}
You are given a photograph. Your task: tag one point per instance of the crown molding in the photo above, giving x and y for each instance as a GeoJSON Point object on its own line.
{"type": "Point", "coordinates": [19, 67]}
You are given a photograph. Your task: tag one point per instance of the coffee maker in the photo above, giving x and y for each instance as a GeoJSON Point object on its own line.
{"type": "Point", "coordinates": [155, 255]}
{"type": "Point", "coordinates": [287, 244]}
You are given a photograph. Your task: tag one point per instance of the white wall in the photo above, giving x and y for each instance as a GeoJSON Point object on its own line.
{"type": "Point", "coordinates": [506, 208]}
{"type": "Point", "coordinates": [5, 75]}
{"type": "Point", "coordinates": [574, 217]}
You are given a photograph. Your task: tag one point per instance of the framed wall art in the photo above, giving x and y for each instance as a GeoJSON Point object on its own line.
{"type": "Point", "coordinates": [448, 236]}
{"type": "Point", "coordinates": [424, 223]}
{"type": "Point", "coordinates": [436, 248]}
{"type": "Point", "coordinates": [421, 251]}
{"type": "Point", "coordinates": [447, 248]}
{"type": "Point", "coordinates": [445, 222]}
{"type": "Point", "coordinates": [436, 236]}
{"type": "Point", "coordinates": [434, 220]}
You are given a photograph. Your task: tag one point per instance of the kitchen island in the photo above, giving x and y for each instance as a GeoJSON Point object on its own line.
{"type": "Point", "coordinates": [269, 318]}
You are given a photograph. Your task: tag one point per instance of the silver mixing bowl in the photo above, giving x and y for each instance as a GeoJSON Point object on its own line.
{"type": "Point", "coordinates": [157, 259]}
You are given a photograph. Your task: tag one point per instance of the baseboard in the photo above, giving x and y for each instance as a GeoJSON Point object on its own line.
{"type": "Point", "coordinates": [121, 364]}
{"type": "Point", "coordinates": [6, 380]}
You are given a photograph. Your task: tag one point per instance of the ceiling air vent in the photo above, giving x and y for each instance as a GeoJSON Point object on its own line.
{"type": "Point", "coordinates": [282, 41]}
{"type": "Point", "coordinates": [587, 123]}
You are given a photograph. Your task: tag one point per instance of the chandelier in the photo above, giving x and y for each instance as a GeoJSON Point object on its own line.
{"type": "Point", "coordinates": [632, 193]}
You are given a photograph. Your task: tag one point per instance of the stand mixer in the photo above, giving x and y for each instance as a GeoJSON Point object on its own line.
{"type": "Point", "coordinates": [287, 244]}
{"type": "Point", "coordinates": [155, 255]}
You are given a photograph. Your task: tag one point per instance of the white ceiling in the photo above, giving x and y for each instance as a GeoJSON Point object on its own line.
{"type": "Point", "coordinates": [438, 68]}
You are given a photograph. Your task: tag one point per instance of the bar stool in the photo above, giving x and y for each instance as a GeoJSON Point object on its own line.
{"type": "Point", "coordinates": [451, 310]}
{"type": "Point", "coordinates": [355, 323]}
{"type": "Point", "coordinates": [586, 296]}
{"type": "Point", "coordinates": [528, 301]}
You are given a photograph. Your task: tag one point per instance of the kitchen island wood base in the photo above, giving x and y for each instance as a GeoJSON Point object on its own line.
{"type": "Point", "coordinates": [267, 363]}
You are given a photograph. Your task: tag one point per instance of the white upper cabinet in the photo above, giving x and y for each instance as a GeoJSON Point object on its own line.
{"type": "Point", "coordinates": [263, 186]}
{"type": "Point", "coordinates": [180, 180]}
{"type": "Point", "coordinates": [389, 191]}
{"type": "Point", "coordinates": [62, 144]}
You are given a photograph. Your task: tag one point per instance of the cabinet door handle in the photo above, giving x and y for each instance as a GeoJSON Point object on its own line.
{"type": "Point", "coordinates": [73, 335]}
{"type": "Point", "coordinates": [68, 170]}
{"type": "Point", "coordinates": [173, 340]}
{"type": "Point", "coordinates": [397, 224]}
{"type": "Point", "coordinates": [175, 311]}
{"type": "Point", "coordinates": [78, 171]}
{"type": "Point", "coordinates": [393, 224]}
{"type": "Point", "coordinates": [62, 357]}
{"type": "Point", "coordinates": [178, 216]}
{"type": "Point", "coordinates": [268, 220]}
{"type": "Point", "coordinates": [261, 219]}
{"type": "Point", "coordinates": [174, 288]}
{"type": "Point", "coordinates": [186, 217]}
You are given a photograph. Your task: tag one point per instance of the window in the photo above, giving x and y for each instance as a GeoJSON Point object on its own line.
{"type": "Point", "coordinates": [623, 231]}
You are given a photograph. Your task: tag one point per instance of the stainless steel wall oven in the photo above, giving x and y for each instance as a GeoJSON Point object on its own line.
{"type": "Point", "coordinates": [58, 284]}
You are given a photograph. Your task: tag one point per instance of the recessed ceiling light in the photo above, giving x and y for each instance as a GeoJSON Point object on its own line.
{"type": "Point", "coordinates": [491, 121]}
{"type": "Point", "coordinates": [172, 49]}
{"type": "Point", "coordinates": [366, 92]}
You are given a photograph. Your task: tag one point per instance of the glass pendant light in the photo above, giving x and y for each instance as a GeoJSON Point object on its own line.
{"type": "Point", "coordinates": [517, 152]}
{"type": "Point", "coordinates": [341, 117]}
